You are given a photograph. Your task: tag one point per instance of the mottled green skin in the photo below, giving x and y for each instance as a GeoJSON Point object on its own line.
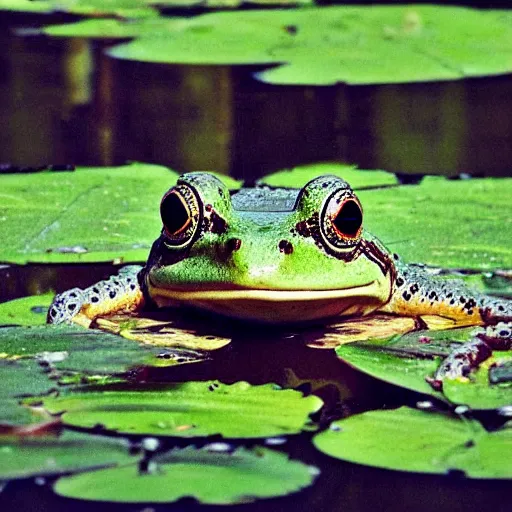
{"type": "Point", "coordinates": [260, 262]}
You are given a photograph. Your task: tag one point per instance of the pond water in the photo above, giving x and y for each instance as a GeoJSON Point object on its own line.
{"type": "Point", "coordinates": [259, 357]}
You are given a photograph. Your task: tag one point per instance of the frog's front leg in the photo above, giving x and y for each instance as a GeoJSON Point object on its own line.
{"type": "Point", "coordinates": [119, 293]}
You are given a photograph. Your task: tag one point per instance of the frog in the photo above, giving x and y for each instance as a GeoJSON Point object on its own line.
{"type": "Point", "coordinates": [283, 256]}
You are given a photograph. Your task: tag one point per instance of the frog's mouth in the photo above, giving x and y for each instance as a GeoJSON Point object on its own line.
{"type": "Point", "coordinates": [277, 306]}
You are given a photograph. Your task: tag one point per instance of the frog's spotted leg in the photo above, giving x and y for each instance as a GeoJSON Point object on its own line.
{"type": "Point", "coordinates": [416, 293]}
{"type": "Point", "coordinates": [121, 292]}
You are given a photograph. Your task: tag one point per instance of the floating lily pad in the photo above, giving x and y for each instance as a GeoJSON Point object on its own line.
{"type": "Point", "coordinates": [408, 360]}
{"type": "Point", "coordinates": [478, 392]}
{"type": "Point", "coordinates": [74, 349]}
{"type": "Point", "coordinates": [69, 453]}
{"type": "Point", "coordinates": [21, 379]}
{"type": "Point", "coordinates": [411, 440]}
{"type": "Point", "coordinates": [26, 311]}
{"type": "Point", "coordinates": [31, 6]}
{"type": "Point", "coordinates": [92, 214]}
{"type": "Point", "coordinates": [192, 409]}
{"type": "Point", "coordinates": [214, 478]}
{"type": "Point", "coordinates": [355, 45]}
{"type": "Point", "coordinates": [358, 178]}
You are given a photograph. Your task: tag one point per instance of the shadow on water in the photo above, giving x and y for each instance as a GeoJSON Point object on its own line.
{"type": "Point", "coordinates": [261, 355]}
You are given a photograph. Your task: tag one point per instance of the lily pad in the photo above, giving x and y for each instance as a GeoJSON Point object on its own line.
{"type": "Point", "coordinates": [358, 178]}
{"type": "Point", "coordinates": [31, 6]}
{"type": "Point", "coordinates": [26, 311]}
{"type": "Point", "coordinates": [69, 453]}
{"type": "Point", "coordinates": [213, 478]}
{"type": "Point", "coordinates": [73, 349]}
{"type": "Point", "coordinates": [92, 214]}
{"type": "Point", "coordinates": [417, 441]}
{"type": "Point", "coordinates": [431, 223]}
{"type": "Point", "coordinates": [355, 45]}
{"type": "Point", "coordinates": [408, 360]}
{"type": "Point", "coordinates": [192, 409]}
{"type": "Point", "coordinates": [21, 379]}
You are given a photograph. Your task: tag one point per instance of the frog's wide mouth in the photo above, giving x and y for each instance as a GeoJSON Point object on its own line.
{"type": "Point", "coordinates": [277, 306]}
{"type": "Point", "coordinates": [371, 289]}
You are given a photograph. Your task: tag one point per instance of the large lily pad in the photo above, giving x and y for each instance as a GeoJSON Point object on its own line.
{"type": "Point", "coordinates": [407, 361]}
{"type": "Point", "coordinates": [431, 222]}
{"type": "Point", "coordinates": [358, 178]}
{"type": "Point", "coordinates": [214, 478]}
{"type": "Point", "coordinates": [87, 215]}
{"type": "Point", "coordinates": [192, 409]}
{"type": "Point", "coordinates": [411, 440]}
{"type": "Point", "coordinates": [26, 311]}
{"type": "Point", "coordinates": [69, 453]}
{"type": "Point", "coordinates": [74, 349]}
{"type": "Point", "coordinates": [355, 45]}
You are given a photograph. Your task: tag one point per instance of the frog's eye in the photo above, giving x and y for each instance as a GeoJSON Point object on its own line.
{"type": "Point", "coordinates": [180, 214]}
{"type": "Point", "coordinates": [341, 220]}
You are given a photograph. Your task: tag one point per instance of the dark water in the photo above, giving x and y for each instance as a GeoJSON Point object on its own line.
{"type": "Point", "coordinates": [262, 356]}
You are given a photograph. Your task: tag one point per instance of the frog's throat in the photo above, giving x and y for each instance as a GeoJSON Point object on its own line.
{"type": "Point", "coordinates": [277, 306]}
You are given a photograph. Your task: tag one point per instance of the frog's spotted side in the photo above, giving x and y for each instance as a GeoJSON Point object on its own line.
{"type": "Point", "coordinates": [276, 255]}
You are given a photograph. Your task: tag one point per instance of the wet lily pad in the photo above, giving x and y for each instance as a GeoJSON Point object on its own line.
{"type": "Point", "coordinates": [68, 453]}
{"type": "Point", "coordinates": [417, 441]}
{"type": "Point", "coordinates": [437, 228]}
{"type": "Point", "coordinates": [21, 379]}
{"type": "Point", "coordinates": [26, 311]}
{"type": "Point", "coordinates": [355, 45]}
{"type": "Point", "coordinates": [73, 349]}
{"type": "Point", "coordinates": [192, 409]}
{"type": "Point", "coordinates": [358, 178]}
{"type": "Point", "coordinates": [408, 360]}
{"type": "Point", "coordinates": [213, 478]}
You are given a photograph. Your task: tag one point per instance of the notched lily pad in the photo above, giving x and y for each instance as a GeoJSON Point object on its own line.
{"type": "Point", "coordinates": [417, 441]}
{"type": "Point", "coordinates": [192, 409]}
{"type": "Point", "coordinates": [68, 453]}
{"type": "Point", "coordinates": [212, 478]}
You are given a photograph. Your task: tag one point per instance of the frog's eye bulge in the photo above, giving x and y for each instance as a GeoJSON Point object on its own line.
{"type": "Point", "coordinates": [181, 215]}
{"type": "Point", "coordinates": [341, 221]}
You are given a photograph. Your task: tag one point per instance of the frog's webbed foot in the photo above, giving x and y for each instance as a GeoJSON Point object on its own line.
{"type": "Point", "coordinates": [470, 355]}
{"type": "Point", "coordinates": [121, 292]}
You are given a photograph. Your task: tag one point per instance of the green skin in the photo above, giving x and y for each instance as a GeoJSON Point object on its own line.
{"type": "Point", "coordinates": [280, 256]}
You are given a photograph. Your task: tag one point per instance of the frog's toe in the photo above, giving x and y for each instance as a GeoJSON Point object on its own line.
{"type": "Point", "coordinates": [65, 306]}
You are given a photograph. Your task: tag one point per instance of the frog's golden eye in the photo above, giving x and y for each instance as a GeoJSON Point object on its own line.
{"type": "Point", "coordinates": [180, 214]}
{"type": "Point", "coordinates": [341, 220]}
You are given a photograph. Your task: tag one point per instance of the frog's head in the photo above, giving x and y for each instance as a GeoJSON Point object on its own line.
{"type": "Point", "coordinates": [272, 255]}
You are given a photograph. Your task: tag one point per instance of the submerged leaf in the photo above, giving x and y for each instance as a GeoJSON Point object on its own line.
{"type": "Point", "coordinates": [192, 409]}
{"type": "Point", "coordinates": [411, 440]}
{"type": "Point", "coordinates": [214, 478]}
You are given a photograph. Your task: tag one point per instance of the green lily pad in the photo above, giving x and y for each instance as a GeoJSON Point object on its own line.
{"type": "Point", "coordinates": [74, 349]}
{"type": "Point", "coordinates": [477, 392]}
{"type": "Point", "coordinates": [357, 178]}
{"type": "Point", "coordinates": [355, 45]}
{"type": "Point", "coordinates": [192, 409]}
{"type": "Point", "coordinates": [31, 6]}
{"type": "Point", "coordinates": [92, 214]}
{"type": "Point", "coordinates": [408, 360]}
{"type": "Point", "coordinates": [417, 441]}
{"type": "Point", "coordinates": [26, 311]}
{"type": "Point", "coordinates": [431, 222]}
{"type": "Point", "coordinates": [69, 453]}
{"type": "Point", "coordinates": [213, 478]}
{"type": "Point", "coordinates": [21, 379]}
{"type": "Point", "coordinates": [405, 360]}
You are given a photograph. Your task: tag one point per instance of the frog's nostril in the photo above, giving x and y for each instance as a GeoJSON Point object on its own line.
{"type": "Point", "coordinates": [285, 246]}
{"type": "Point", "coordinates": [233, 244]}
